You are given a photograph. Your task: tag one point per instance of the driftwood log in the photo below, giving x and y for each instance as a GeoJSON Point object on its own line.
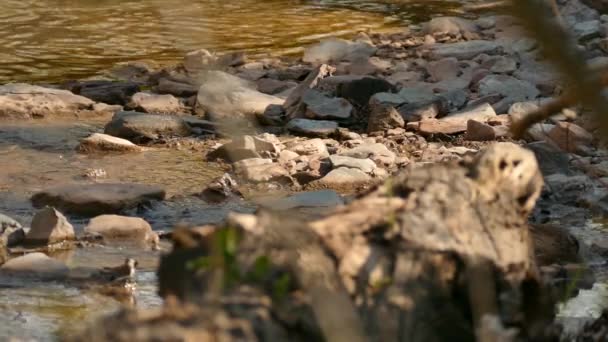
{"type": "Point", "coordinates": [441, 252]}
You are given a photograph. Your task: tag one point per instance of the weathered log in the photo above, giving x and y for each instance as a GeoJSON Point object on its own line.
{"type": "Point", "coordinates": [440, 252]}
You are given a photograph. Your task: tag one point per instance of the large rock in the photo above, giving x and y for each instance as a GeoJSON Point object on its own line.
{"type": "Point", "coordinates": [11, 231]}
{"type": "Point", "coordinates": [571, 137]}
{"type": "Point", "coordinates": [97, 199]}
{"type": "Point", "coordinates": [443, 69]}
{"type": "Point", "coordinates": [359, 91]}
{"type": "Point", "coordinates": [365, 165]}
{"type": "Point", "coordinates": [450, 25]}
{"type": "Point", "coordinates": [244, 147]}
{"type": "Point", "coordinates": [110, 92]}
{"type": "Point", "coordinates": [137, 126]}
{"type": "Point", "coordinates": [464, 50]}
{"type": "Point", "coordinates": [319, 106]}
{"type": "Point", "coordinates": [36, 265]}
{"type": "Point", "coordinates": [49, 226]}
{"type": "Point", "coordinates": [27, 101]}
{"type": "Point", "coordinates": [344, 175]}
{"type": "Point", "coordinates": [415, 96]}
{"type": "Point", "coordinates": [309, 147]}
{"type": "Point", "coordinates": [457, 122]}
{"type": "Point", "coordinates": [115, 227]}
{"type": "Point", "coordinates": [98, 142]}
{"type": "Point", "coordinates": [336, 50]}
{"type": "Point", "coordinates": [383, 117]}
{"type": "Point", "coordinates": [223, 95]}
{"type": "Point", "coordinates": [173, 87]}
{"type": "Point", "coordinates": [155, 103]}
{"type": "Point", "coordinates": [377, 152]}
{"type": "Point", "coordinates": [512, 89]}
{"type": "Point", "coordinates": [315, 128]}
{"type": "Point", "coordinates": [310, 199]}
{"type": "Point", "coordinates": [258, 170]}
{"type": "Point", "coordinates": [311, 81]}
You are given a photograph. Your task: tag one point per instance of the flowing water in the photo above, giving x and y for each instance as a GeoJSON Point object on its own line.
{"type": "Point", "coordinates": [58, 39]}
{"type": "Point", "coordinates": [53, 40]}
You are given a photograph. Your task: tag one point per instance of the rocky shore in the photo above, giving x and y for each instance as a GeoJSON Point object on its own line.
{"type": "Point", "coordinates": [404, 136]}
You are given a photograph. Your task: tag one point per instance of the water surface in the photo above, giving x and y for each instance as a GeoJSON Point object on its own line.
{"type": "Point", "coordinates": [49, 40]}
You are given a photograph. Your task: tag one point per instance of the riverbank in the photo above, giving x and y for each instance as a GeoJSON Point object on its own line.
{"type": "Point", "coordinates": [186, 144]}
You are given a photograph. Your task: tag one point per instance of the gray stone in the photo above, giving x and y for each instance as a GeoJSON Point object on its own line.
{"type": "Point", "coordinates": [11, 231]}
{"type": "Point", "coordinates": [166, 86]}
{"type": "Point", "coordinates": [319, 106]}
{"type": "Point", "coordinates": [587, 29]}
{"type": "Point", "coordinates": [500, 64]}
{"type": "Point", "coordinates": [336, 50]}
{"type": "Point", "coordinates": [366, 66]}
{"type": "Point", "coordinates": [317, 128]}
{"type": "Point", "coordinates": [456, 122]}
{"type": "Point", "coordinates": [310, 199]}
{"type": "Point", "coordinates": [259, 172]}
{"type": "Point", "coordinates": [49, 226]}
{"type": "Point", "coordinates": [359, 91]}
{"type": "Point", "coordinates": [18, 100]}
{"type": "Point", "coordinates": [99, 198]}
{"type": "Point", "coordinates": [36, 265]}
{"type": "Point", "coordinates": [479, 131]}
{"type": "Point", "coordinates": [137, 126]}
{"type": "Point", "coordinates": [154, 103]}
{"type": "Point", "coordinates": [450, 25]}
{"type": "Point", "coordinates": [98, 142]}
{"type": "Point", "coordinates": [377, 152]}
{"type": "Point", "coordinates": [222, 95]}
{"type": "Point", "coordinates": [443, 69]}
{"type": "Point", "coordinates": [512, 89]}
{"type": "Point", "coordinates": [309, 147]}
{"type": "Point", "coordinates": [383, 117]}
{"type": "Point", "coordinates": [365, 165]}
{"type": "Point", "coordinates": [464, 50]}
{"type": "Point", "coordinates": [110, 92]}
{"type": "Point", "coordinates": [344, 175]}
{"type": "Point", "coordinates": [571, 137]}
{"type": "Point", "coordinates": [244, 147]}
{"type": "Point", "coordinates": [199, 60]}
{"type": "Point", "coordinates": [414, 96]}
{"type": "Point", "coordinates": [551, 160]}
{"type": "Point", "coordinates": [115, 227]}
{"type": "Point", "coordinates": [273, 87]}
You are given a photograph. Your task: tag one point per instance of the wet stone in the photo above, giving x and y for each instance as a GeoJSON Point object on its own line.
{"type": "Point", "coordinates": [155, 103]}
{"type": "Point", "coordinates": [317, 128]}
{"type": "Point", "coordinates": [36, 265]}
{"type": "Point", "coordinates": [98, 142]}
{"type": "Point", "coordinates": [319, 106]}
{"type": "Point", "coordinates": [137, 126]}
{"type": "Point", "coordinates": [10, 231]}
{"type": "Point", "coordinates": [96, 199]}
{"type": "Point", "coordinates": [49, 226]}
{"type": "Point", "coordinates": [115, 227]}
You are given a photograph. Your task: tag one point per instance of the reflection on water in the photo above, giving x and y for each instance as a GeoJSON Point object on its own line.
{"type": "Point", "coordinates": [58, 39]}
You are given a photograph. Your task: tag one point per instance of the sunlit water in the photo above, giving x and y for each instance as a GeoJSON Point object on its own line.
{"type": "Point", "coordinates": [59, 39]}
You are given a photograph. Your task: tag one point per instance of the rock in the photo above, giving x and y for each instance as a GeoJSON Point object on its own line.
{"type": "Point", "coordinates": [336, 50]}
{"type": "Point", "coordinates": [443, 69]}
{"type": "Point", "coordinates": [35, 265]}
{"type": "Point", "coordinates": [512, 89]}
{"type": "Point", "coordinates": [542, 75]}
{"type": "Point", "coordinates": [366, 66]}
{"type": "Point", "coordinates": [137, 126]}
{"type": "Point", "coordinates": [244, 147]}
{"type": "Point", "coordinates": [311, 81]}
{"type": "Point", "coordinates": [405, 77]}
{"type": "Point", "coordinates": [365, 165]}
{"type": "Point", "coordinates": [222, 95]}
{"type": "Point", "coordinates": [115, 227]}
{"type": "Point", "coordinates": [377, 152]}
{"type": "Point", "coordinates": [359, 91]}
{"type": "Point", "coordinates": [457, 122]}
{"type": "Point", "coordinates": [273, 87]}
{"type": "Point", "coordinates": [259, 172]}
{"type": "Point", "coordinates": [166, 86]}
{"type": "Point", "coordinates": [344, 175]}
{"type": "Point", "coordinates": [310, 199]}
{"type": "Point", "coordinates": [49, 226]}
{"type": "Point", "coordinates": [199, 60]}
{"type": "Point", "coordinates": [315, 128]}
{"type": "Point", "coordinates": [309, 147]}
{"type": "Point", "coordinates": [220, 189]}
{"type": "Point", "coordinates": [464, 50]}
{"type": "Point", "coordinates": [98, 142]}
{"type": "Point", "coordinates": [26, 101]}
{"type": "Point", "coordinates": [587, 29]}
{"type": "Point", "coordinates": [571, 137]}
{"type": "Point", "coordinates": [318, 106]}
{"type": "Point", "coordinates": [11, 232]}
{"type": "Point", "coordinates": [479, 131]}
{"type": "Point", "coordinates": [416, 96]}
{"type": "Point", "coordinates": [99, 198]}
{"type": "Point", "coordinates": [450, 25]}
{"type": "Point", "coordinates": [500, 64]}
{"type": "Point", "coordinates": [551, 160]}
{"type": "Point", "coordinates": [154, 103]}
{"type": "Point", "coordinates": [110, 92]}
{"type": "Point", "coordinates": [383, 117]}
